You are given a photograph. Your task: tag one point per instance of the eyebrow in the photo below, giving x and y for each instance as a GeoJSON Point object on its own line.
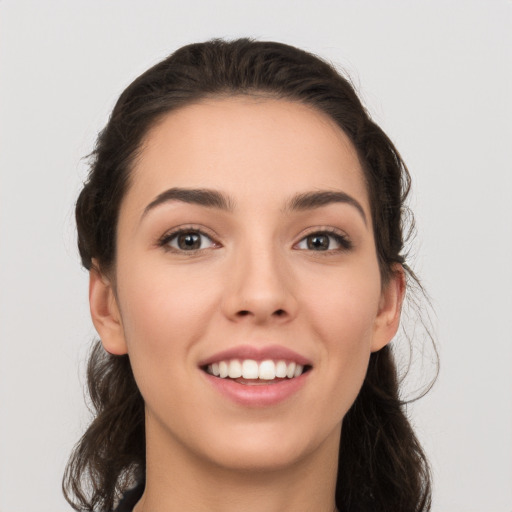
{"type": "Point", "coordinates": [202, 197]}
{"type": "Point", "coordinates": [312, 200]}
{"type": "Point", "coordinates": [215, 199]}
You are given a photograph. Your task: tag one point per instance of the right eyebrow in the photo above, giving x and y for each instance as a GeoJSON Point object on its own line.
{"type": "Point", "coordinates": [200, 196]}
{"type": "Point", "coordinates": [317, 199]}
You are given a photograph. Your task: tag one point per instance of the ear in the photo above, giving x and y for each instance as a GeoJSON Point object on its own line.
{"type": "Point", "coordinates": [105, 312]}
{"type": "Point", "coordinates": [390, 306]}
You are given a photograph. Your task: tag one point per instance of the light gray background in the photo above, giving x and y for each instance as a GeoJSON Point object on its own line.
{"type": "Point", "coordinates": [436, 75]}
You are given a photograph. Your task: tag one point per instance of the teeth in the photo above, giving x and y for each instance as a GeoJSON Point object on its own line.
{"type": "Point", "coordinates": [267, 370]}
{"type": "Point", "coordinates": [223, 369]}
{"type": "Point", "coordinates": [281, 370]}
{"type": "Point", "coordinates": [235, 369]}
{"type": "Point", "coordinates": [251, 369]}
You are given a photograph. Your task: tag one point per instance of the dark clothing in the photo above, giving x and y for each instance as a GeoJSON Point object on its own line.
{"type": "Point", "coordinates": [130, 499]}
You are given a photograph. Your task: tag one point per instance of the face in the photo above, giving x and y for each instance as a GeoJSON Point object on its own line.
{"type": "Point", "coordinates": [246, 290]}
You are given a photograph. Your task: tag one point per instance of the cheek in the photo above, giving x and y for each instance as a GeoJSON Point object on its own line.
{"type": "Point", "coordinates": [164, 312]}
{"type": "Point", "coordinates": [344, 307]}
{"type": "Point", "coordinates": [342, 315]}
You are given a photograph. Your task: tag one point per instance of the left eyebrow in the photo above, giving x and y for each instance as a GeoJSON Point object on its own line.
{"type": "Point", "coordinates": [202, 197]}
{"type": "Point", "coordinates": [312, 200]}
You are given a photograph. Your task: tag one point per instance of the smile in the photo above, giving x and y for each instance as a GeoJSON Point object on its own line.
{"type": "Point", "coordinates": [250, 369]}
{"type": "Point", "coordinates": [257, 376]}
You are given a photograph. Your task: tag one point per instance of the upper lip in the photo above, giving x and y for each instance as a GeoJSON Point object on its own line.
{"type": "Point", "coordinates": [274, 352]}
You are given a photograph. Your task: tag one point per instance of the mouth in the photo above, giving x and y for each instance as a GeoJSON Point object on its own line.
{"type": "Point", "coordinates": [251, 372]}
{"type": "Point", "coordinates": [257, 376]}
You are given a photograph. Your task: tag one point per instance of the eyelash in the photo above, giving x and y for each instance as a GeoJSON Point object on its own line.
{"type": "Point", "coordinates": [342, 240]}
{"type": "Point", "coordinates": [165, 240]}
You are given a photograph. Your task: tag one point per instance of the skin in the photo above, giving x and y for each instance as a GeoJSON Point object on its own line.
{"type": "Point", "coordinates": [254, 281]}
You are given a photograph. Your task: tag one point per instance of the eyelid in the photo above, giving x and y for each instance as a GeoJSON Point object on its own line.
{"type": "Point", "coordinates": [342, 238]}
{"type": "Point", "coordinates": [172, 233]}
{"type": "Point", "coordinates": [163, 241]}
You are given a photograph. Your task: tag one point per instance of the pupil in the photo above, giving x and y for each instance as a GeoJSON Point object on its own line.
{"type": "Point", "coordinates": [189, 241]}
{"type": "Point", "coordinates": [318, 242]}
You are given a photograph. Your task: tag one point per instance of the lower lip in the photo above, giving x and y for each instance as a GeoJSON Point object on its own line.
{"type": "Point", "coordinates": [258, 395]}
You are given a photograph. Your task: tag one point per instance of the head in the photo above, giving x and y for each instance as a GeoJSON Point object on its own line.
{"type": "Point", "coordinates": [222, 69]}
{"type": "Point", "coordinates": [281, 81]}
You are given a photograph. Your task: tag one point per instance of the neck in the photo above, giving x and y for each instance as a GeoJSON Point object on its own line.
{"type": "Point", "coordinates": [177, 480]}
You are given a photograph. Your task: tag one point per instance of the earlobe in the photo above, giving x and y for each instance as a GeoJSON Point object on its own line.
{"type": "Point", "coordinates": [105, 313]}
{"type": "Point", "coordinates": [390, 307]}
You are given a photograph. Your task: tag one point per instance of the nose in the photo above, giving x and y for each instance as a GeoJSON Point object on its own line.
{"type": "Point", "coordinates": [259, 288]}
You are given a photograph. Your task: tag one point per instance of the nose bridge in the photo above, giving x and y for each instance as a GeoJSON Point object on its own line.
{"type": "Point", "coordinates": [260, 284]}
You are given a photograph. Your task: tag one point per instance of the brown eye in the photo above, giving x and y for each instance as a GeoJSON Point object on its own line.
{"type": "Point", "coordinates": [318, 242]}
{"type": "Point", "coordinates": [189, 241]}
{"type": "Point", "coordinates": [324, 241]}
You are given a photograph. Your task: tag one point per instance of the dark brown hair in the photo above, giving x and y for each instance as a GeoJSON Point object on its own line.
{"type": "Point", "coordinates": [381, 464]}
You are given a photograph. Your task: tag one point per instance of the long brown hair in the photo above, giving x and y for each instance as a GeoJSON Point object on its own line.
{"type": "Point", "coordinates": [381, 464]}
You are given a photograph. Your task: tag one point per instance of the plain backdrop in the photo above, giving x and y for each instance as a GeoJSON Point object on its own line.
{"type": "Point", "coordinates": [436, 75]}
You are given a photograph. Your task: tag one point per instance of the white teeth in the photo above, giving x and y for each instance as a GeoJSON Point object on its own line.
{"type": "Point", "coordinates": [251, 369]}
{"type": "Point", "coordinates": [267, 370]}
{"type": "Point", "coordinates": [281, 370]}
{"type": "Point", "coordinates": [223, 369]}
{"type": "Point", "coordinates": [235, 369]}
{"type": "Point", "coordinates": [291, 370]}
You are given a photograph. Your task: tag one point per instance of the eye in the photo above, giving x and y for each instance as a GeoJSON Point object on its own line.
{"type": "Point", "coordinates": [187, 240]}
{"type": "Point", "coordinates": [324, 241]}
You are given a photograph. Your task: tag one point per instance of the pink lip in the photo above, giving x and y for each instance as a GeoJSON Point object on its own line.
{"type": "Point", "coordinates": [261, 395]}
{"type": "Point", "coordinates": [274, 352]}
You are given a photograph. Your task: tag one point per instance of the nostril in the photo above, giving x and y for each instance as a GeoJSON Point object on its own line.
{"type": "Point", "coordinates": [280, 312]}
{"type": "Point", "coordinates": [243, 313]}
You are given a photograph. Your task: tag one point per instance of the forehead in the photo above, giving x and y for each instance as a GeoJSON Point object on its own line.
{"type": "Point", "coordinates": [247, 147]}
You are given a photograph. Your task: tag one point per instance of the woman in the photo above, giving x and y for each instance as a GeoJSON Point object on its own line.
{"type": "Point", "coordinates": [242, 226]}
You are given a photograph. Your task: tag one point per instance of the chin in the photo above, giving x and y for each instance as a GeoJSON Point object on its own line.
{"type": "Point", "coordinates": [257, 460]}
{"type": "Point", "coordinates": [267, 449]}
